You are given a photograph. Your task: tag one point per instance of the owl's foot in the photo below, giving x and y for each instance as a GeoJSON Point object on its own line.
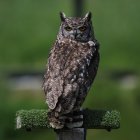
{"type": "Point", "coordinates": [54, 121]}
{"type": "Point", "coordinates": [56, 125]}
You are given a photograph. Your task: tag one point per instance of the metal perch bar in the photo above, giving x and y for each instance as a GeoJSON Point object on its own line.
{"type": "Point", "coordinates": [93, 119]}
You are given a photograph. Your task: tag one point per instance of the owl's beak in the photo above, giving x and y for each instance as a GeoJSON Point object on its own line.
{"type": "Point", "coordinates": [75, 33]}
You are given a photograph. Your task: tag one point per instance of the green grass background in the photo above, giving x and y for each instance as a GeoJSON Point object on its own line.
{"type": "Point", "coordinates": [28, 29]}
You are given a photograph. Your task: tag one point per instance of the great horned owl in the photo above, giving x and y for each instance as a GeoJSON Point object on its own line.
{"type": "Point", "coordinates": [71, 68]}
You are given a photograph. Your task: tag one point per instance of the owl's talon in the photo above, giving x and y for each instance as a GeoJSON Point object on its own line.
{"type": "Point", "coordinates": [56, 125]}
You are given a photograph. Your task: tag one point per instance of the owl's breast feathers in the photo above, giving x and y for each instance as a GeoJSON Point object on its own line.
{"type": "Point", "coordinates": [71, 69]}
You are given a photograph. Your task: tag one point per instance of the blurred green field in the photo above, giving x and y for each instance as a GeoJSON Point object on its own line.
{"type": "Point", "coordinates": [27, 31]}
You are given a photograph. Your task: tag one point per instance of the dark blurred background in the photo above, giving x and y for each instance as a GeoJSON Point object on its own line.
{"type": "Point", "coordinates": [28, 29]}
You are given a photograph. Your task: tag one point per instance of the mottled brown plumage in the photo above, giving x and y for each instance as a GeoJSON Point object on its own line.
{"type": "Point", "coordinates": [71, 68]}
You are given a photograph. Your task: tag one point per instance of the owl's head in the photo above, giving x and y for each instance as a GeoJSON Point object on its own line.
{"type": "Point", "coordinates": [76, 28]}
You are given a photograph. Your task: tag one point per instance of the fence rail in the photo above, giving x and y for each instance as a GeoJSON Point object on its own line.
{"type": "Point", "coordinates": [93, 119]}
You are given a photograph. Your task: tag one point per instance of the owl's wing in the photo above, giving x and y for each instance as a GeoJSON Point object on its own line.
{"type": "Point", "coordinates": [52, 80]}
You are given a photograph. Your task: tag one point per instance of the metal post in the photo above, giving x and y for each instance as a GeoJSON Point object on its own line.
{"type": "Point", "coordinates": [71, 134]}
{"type": "Point", "coordinates": [78, 7]}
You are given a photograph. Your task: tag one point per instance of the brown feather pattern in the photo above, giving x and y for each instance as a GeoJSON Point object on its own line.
{"type": "Point", "coordinates": [71, 69]}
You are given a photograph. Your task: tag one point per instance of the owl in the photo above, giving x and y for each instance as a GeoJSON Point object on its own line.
{"type": "Point", "coordinates": [71, 68]}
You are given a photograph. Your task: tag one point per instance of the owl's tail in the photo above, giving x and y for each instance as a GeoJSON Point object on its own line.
{"type": "Point", "coordinates": [70, 120]}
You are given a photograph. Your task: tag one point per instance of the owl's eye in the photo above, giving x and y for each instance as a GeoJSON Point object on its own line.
{"type": "Point", "coordinates": [82, 28]}
{"type": "Point", "coordinates": [68, 28]}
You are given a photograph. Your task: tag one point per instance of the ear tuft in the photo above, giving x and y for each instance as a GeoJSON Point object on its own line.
{"type": "Point", "coordinates": [62, 16]}
{"type": "Point", "coordinates": [88, 16]}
